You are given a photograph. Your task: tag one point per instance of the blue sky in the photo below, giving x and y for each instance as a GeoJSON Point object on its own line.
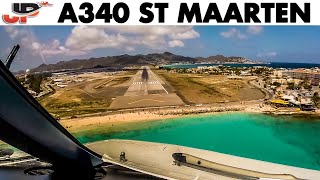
{"type": "Point", "coordinates": [51, 44]}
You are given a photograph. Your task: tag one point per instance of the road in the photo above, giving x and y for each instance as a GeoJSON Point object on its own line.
{"type": "Point", "coordinates": [269, 95]}
{"type": "Point", "coordinates": [146, 90]}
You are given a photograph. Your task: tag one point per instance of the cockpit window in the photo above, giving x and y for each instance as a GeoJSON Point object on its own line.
{"type": "Point", "coordinates": [249, 91]}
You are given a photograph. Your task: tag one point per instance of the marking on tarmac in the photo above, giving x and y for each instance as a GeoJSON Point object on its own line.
{"type": "Point", "coordinates": [145, 100]}
{"type": "Point", "coordinates": [134, 78]}
{"type": "Point", "coordinates": [152, 82]}
{"type": "Point", "coordinates": [158, 80]}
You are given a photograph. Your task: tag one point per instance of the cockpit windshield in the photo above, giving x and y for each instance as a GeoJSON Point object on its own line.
{"type": "Point", "coordinates": [248, 92]}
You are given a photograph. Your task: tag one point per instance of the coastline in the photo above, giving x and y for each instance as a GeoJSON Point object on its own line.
{"type": "Point", "coordinates": [139, 115]}
{"type": "Point", "coordinates": [154, 114]}
{"type": "Point", "coordinates": [122, 120]}
{"type": "Point", "coordinates": [142, 115]}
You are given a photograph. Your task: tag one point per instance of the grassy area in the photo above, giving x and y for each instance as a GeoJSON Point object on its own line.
{"type": "Point", "coordinates": [72, 105]}
{"type": "Point", "coordinates": [85, 97]}
{"type": "Point", "coordinates": [199, 88]}
{"type": "Point", "coordinates": [120, 80]}
{"type": "Point", "coordinates": [130, 72]}
{"type": "Point", "coordinates": [96, 94]}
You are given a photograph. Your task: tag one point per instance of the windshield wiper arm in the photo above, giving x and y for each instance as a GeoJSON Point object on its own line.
{"type": "Point", "coordinates": [12, 55]}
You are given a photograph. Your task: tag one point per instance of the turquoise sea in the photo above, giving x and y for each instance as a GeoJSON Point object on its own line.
{"type": "Point", "coordinates": [286, 140]}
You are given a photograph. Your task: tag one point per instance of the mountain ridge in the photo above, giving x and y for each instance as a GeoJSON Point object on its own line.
{"type": "Point", "coordinates": [139, 59]}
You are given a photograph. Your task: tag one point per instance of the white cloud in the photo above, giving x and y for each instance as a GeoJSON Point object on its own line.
{"type": "Point", "coordinates": [185, 34]}
{"type": "Point", "coordinates": [86, 38]}
{"type": "Point", "coordinates": [30, 42]}
{"type": "Point", "coordinates": [89, 38]}
{"type": "Point", "coordinates": [267, 54]}
{"type": "Point", "coordinates": [130, 49]}
{"type": "Point", "coordinates": [12, 31]}
{"type": "Point", "coordinates": [55, 48]}
{"type": "Point", "coordinates": [233, 33]}
{"type": "Point", "coordinates": [255, 29]}
{"type": "Point", "coordinates": [174, 32]}
{"type": "Point", "coordinates": [176, 43]}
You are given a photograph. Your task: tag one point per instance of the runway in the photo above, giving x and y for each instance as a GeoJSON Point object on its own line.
{"type": "Point", "coordinates": [146, 90]}
{"type": "Point", "coordinates": [146, 82]}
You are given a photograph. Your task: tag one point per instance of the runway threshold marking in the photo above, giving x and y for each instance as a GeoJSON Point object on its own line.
{"type": "Point", "coordinates": [158, 81]}
{"type": "Point", "coordinates": [151, 82]}
{"type": "Point", "coordinates": [145, 100]}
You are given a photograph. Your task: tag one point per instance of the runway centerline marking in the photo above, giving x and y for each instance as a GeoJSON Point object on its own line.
{"type": "Point", "coordinates": [158, 80]}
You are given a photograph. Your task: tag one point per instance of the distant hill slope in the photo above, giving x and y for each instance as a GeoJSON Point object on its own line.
{"type": "Point", "coordinates": [126, 60]}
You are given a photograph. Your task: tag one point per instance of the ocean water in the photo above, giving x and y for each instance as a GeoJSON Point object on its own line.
{"type": "Point", "coordinates": [273, 65]}
{"type": "Point", "coordinates": [286, 140]}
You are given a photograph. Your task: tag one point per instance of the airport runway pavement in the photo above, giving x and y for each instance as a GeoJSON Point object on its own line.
{"type": "Point", "coordinates": [145, 82]}
{"type": "Point", "coordinates": [146, 90]}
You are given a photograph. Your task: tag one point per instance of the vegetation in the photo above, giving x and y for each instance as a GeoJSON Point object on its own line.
{"type": "Point", "coordinates": [225, 70]}
{"type": "Point", "coordinates": [292, 86]}
{"type": "Point", "coordinates": [307, 86]}
{"type": "Point", "coordinates": [207, 88]}
{"type": "Point", "coordinates": [316, 99]}
{"type": "Point", "coordinates": [34, 81]}
{"type": "Point", "coordinates": [277, 84]}
{"type": "Point", "coordinates": [84, 98]}
{"type": "Point", "coordinates": [262, 71]}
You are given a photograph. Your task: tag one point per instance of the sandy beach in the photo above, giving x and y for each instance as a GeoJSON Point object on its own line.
{"type": "Point", "coordinates": [72, 124]}
{"type": "Point", "coordinates": [151, 114]}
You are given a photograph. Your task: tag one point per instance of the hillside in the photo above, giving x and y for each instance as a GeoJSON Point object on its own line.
{"type": "Point", "coordinates": [127, 60]}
